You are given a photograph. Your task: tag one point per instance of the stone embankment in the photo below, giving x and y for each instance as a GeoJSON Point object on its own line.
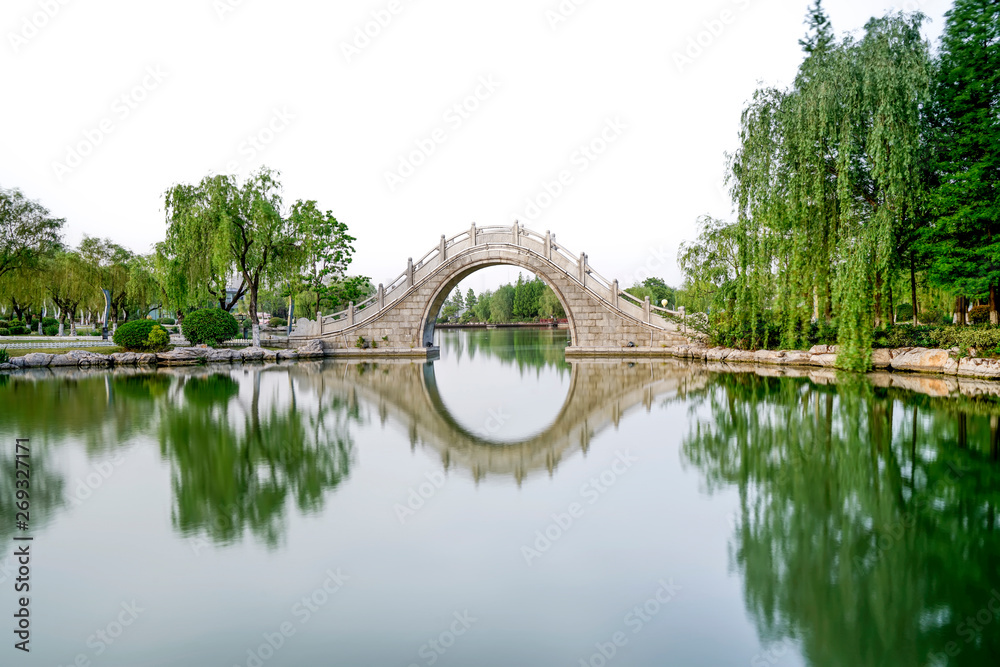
{"type": "Point", "coordinates": [913, 359]}
{"type": "Point", "coordinates": [181, 356]}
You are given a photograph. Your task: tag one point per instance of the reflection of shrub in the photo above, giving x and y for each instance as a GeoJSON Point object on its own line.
{"type": "Point", "coordinates": [50, 330]}
{"type": "Point", "coordinates": [210, 326]}
{"type": "Point", "coordinates": [144, 386]}
{"type": "Point", "coordinates": [979, 315]}
{"type": "Point", "coordinates": [134, 336]}
{"type": "Point", "coordinates": [211, 390]}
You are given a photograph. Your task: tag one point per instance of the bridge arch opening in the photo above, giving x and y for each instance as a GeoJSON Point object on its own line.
{"type": "Point", "coordinates": [447, 288]}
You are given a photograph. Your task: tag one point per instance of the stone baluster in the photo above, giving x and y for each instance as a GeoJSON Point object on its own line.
{"type": "Point", "coordinates": [409, 272]}
{"type": "Point", "coordinates": [472, 234]}
{"type": "Point", "coordinates": [583, 268]}
{"type": "Point", "coordinates": [516, 231]}
{"type": "Point", "coordinates": [442, 249]}
{"type": "Point", "coordinates": [614, 292]}
{"type": "Point", "coordinates": [548, 245]}
{"type": "Point", "coordinates": [381, 297]}
{"type": "Point", "coordinates": [350, 313]}
{"type": "Point", "coordinates": [645, 308]}
{"type": "Point", "coordinates": [319, 322]}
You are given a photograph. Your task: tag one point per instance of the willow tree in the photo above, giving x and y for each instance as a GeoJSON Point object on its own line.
{"type": "Point", "coordinates": [241, 230]}
{"type": "Point", "coordinates": [110, 266]}
{"type": "Point", "coordinates": [826, 177]}
{"type": "Point", "coordinates": [327, 248]}
{"type": "Point", "coordinates": [67, 279]}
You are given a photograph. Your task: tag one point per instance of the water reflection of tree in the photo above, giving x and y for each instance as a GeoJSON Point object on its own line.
{"type": "Point", "coordinates": [525, 348]}
{"type": "Point", "coordinates": [236, 466]}
{"type": "Point", "coordinates": [867, 529]}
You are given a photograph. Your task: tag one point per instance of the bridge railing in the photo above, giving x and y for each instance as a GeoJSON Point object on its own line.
{"type": "Point", "coordinates": [575, 267]}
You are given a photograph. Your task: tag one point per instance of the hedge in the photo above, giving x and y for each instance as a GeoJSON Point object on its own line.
{"type": "Point", "coordinates": [134, 336]}
{"type": "Point", "coordinates": [18, 331]}
{"type": "Point", "coordinates": [210, 326]}
{"type": "Point", "coordinates": [276, 322]}
{"type": "Point", "coordinates": [167, 320]}
{"type": "Point", "coordinates": [50, 330]}
{"type": "Point", "coordinates": [4, 331]}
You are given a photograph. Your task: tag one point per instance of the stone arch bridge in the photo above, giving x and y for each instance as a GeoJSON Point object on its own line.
{"type": "Point", "coordinates": [404, 391]}
{"type": "Point", "coordinates": [399, 319]}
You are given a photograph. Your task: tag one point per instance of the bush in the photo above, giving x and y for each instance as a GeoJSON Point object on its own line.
{"type": "Point", "coordinates": [96, 332]}
{"type": "Point", "coordinates": [49, 321]}
{"type": "Point", "coordinates": [210, 326]}
{"type": "Point", "coordinates": [4, 324]}
{"type": "Point", "coordinates": [18, 331]}
{"type": "Point", "coordinates": [276, 322]}
{"type": "Point", "coordinates": [50, 330]}
{"type": "Point", "coordinates": [4, 331]}
{"type": "Point", "coordinates": [158, 339]}
{"type": "Point", "coordinates": [167, 320]}
{"type": "Point", "coordinates": [904, 312]}
{"type": "Point", "coordinates": [931, 316]}
{"type": "Point", "coordinates": [979, 315]}
{"type": "Point", "coordinates": [134, 336]}
{"type": "Point", "coordinates": [4, 356]}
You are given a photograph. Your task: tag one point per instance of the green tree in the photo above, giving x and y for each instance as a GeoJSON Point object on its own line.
{"type": "Point", "coordinates": [68, 282]}
{"type": "Point", "coordinates": [111, 266]}
{"type": "Point", "coordinates": [549, 304]}
{"type": "Point", "coordinates": [327, 247]}
{"type": "Point", "coordinates": [964, 138]}
{"type": "Point", "coordinates": [28, 232]}
{"type": "Point", "coordinates": [243, 227]}
{"type": "Point", "coordinates": [502, 305]}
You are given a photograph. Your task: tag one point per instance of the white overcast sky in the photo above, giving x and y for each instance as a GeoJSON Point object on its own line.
{"type": "Point", "coordinates": [201, 77]}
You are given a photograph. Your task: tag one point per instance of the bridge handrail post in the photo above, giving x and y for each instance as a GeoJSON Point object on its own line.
{"type": "Point", "coordinates": [583, 268]}
{"type": "Point", "coordinates": [645, 308]}
{"type": "Point", "coordinates": [683, 311]}
{"type": "Point", "coordinates": [472, 234]}
{"type": "Point", "coordinates": [516, 231]}
{"type": "Point", "coordinates": [350, 314]}
{"type": "Point", "coordinates": [614, 292]}
{"type": "Point", "coordinates": [548, 245]}
{"type": "Point", "coordinates": [442, 249]}
{"type": "Point", "coordinates": [381, 297]}
{"type": "Point", "coordinates": [319, 319]}
{"type": "Point", "coordinates": [409, 272]}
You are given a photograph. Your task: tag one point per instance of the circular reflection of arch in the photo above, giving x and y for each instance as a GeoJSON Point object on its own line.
{"type": "Point", "coordinates": [522, 261]}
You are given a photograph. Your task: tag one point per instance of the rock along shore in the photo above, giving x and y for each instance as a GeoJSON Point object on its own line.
{"type": "Point", "coordinates": [181, 356]}
{"type": "Point", "coordinates": [911, 359]}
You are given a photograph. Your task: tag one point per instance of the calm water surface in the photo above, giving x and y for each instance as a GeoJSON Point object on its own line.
{"type": "Point", "coordinates": [501, 506]}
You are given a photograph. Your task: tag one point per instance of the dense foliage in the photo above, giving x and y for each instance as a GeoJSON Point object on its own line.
{"type": "Point", "coordinates": [139, 336]}
{"type": "Point", "coordinates": [873, 176]}
{"type": "Point", "coordinates": [210, 326]}
{"type": "Point", "coordinates": [528, 300]}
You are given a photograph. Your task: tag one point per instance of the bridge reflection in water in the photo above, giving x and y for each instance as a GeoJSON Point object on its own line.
{"type": "Point", "coordinates": [601, 392]}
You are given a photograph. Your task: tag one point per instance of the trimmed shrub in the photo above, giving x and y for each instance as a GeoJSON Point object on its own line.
{"type": "Point", "coordinates": [134, 336]}
{"type": "Point", "coordinates": [50, 330]}
{"type": "Point", "coordinates": [979, 315]}
{"type": "Point", "coordinates": [49, 321]}
{"type": "Point", "coordinates": [930, 316]}
{"type": "Point", "coordinates": [158, 339]}
{"type": "Point", "coordinates": [18, 331]}
{"type": "Point", "coordinates": [96, 332]}
{"type": "Point", "coordinates": [210, 326]}
{"type": "Point", "coordinates": [904, 312]}
{"type": "Point", "coordinates": [4, 331]}
{"type": "Point", "coordinates": [167, 320]}
{"type": "Point", "coordinates": [276, 322]}
{"type": "Point", "coordinates": [4, 324]}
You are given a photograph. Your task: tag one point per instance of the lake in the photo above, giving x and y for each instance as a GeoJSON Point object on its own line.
{"type": "Point", "coordinates": [502, 506]}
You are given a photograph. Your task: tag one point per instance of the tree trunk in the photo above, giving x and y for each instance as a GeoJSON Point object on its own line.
{"type": "Point", "coordinates": [959, 310]}
{"type": "Point", "coordinates": [878, 300]}
{"type": "Point", "coordinates": [994, 319]}
{"type": "Point", "coordinates": [892, 307]}
{"type": "Point", "coordinates": [62, 322]}
{"type": "Point", "coordinates": [913, 287]}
